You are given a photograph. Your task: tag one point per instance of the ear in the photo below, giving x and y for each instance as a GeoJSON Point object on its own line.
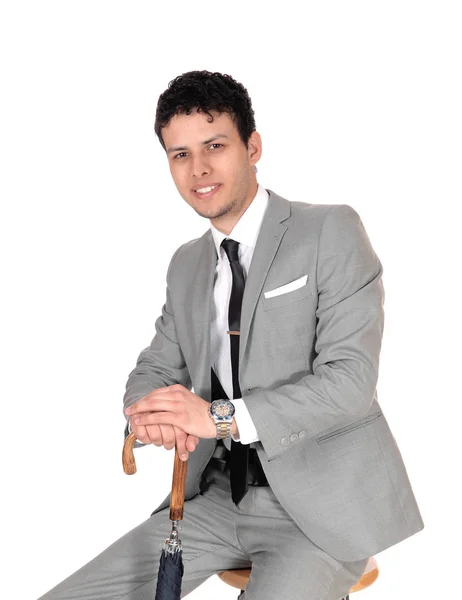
{"type": "Point", "coordinates": [254, 148]}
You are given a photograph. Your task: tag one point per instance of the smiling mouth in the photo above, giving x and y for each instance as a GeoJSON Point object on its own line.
{"type": "Point", "coordinates": [207, 191]}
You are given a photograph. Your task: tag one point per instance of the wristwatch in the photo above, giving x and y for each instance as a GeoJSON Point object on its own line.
{"type": "Point", "coordinates": [222, 413]}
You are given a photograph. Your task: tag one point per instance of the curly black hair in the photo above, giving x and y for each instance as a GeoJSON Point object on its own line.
{"type": "Point", "coordinates": [206, 91]}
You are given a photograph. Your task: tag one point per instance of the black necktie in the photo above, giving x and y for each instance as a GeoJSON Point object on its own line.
{"type": "Point", "coordinates": [239, 459]}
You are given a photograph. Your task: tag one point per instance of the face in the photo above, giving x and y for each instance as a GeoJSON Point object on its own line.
{"type": "Point", "coordinates": [203, 155]}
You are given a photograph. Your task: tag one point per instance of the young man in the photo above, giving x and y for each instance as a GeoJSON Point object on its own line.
{"type": "Point", "coordinates": [279, 308]}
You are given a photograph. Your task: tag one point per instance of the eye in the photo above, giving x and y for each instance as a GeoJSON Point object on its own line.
{"type": "Point", "coordinates": [220, 145]}
{"type": "Point", "coordinates": [178, 155]}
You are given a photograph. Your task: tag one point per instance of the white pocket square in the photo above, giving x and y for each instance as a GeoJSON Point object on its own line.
{"type": "Point", "coordinates": [288, 287]}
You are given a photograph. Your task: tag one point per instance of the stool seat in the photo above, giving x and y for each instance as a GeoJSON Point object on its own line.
{"type": "Point", "coordinates": [239, 578]}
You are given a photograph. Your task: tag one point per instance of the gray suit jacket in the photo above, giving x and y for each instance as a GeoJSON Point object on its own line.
{"type": "Point", "coordinates": [308, 370]}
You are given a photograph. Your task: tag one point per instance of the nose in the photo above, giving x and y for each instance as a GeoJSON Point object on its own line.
{"type": "Point", "coordinates": [199, 167]}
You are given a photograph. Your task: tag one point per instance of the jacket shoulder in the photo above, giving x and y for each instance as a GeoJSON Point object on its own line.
{"type": "Point", "coordinates": [192, 249]}
{"type": "Point", "coordinates": [320, 211]}
{"type": "Point", "coordinates": [314, 211]}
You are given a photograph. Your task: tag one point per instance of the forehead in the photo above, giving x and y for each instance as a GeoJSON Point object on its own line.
{"type": "Point", "coordinates": [186, 130]}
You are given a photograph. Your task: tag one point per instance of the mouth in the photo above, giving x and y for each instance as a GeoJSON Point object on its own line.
{"type": "Point", "coordinates": [206, 191]}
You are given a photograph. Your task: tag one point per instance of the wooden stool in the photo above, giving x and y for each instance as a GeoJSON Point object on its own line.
{"type": "Point", "coordinates": [239, 578]}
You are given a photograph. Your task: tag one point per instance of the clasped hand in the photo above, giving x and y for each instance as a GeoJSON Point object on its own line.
{"type": "Point", "coordinates": [171, 415]}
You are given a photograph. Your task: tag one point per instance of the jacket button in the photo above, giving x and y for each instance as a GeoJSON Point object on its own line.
{"type": "Point", "coordinates": [294, 437]}
{"type": "Point", "coordinates": [302, 434]}
{"type": "Point", "coordinates": [285, 441]}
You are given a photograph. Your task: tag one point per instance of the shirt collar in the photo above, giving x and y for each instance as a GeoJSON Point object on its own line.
{"type": "Point", "coordinates": [247, 228]}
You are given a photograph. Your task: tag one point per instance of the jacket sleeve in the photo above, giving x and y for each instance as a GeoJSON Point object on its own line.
{"type": "Point", "coordinates": [161, 363]}
{"type": "Point", "coordinates": [350, 320]}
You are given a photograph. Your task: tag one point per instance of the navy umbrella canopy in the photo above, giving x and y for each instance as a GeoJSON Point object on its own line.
{"type": "Point", "coordinates": [169, 576]}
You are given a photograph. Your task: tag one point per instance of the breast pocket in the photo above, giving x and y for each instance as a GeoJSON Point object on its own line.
{"type": "Point", "coordinates": [287, 298]}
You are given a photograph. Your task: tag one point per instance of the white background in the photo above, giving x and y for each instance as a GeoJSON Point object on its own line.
{"type": "Point", "coordinates": [356, 102]}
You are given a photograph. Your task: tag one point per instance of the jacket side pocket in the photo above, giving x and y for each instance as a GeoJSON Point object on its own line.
{"type": "Point", "coordinates": [338, 432]}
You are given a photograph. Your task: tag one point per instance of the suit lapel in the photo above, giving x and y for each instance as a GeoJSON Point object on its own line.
{"type": "Point", "coordinates": [269, 238]}
{"type": "Point", "coordinates": [271, 233]}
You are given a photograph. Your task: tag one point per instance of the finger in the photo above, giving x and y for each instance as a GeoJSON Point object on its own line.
{"type": "Point", "coordinates": [168, 436]}
{"type": "Point", "coordinates": [154, 434]}
{"type": "Point", "coordinates": [157, 418]}
{"type": "Point", "coordinates": [152, 405]}
{"type": "Point", "coordinates": [191, 443]}
{"type": "Point", "coordinates": [138, 428]}
{"type": "Point", "coordinates": [181, 437]}
{"type": "Point", "coordinates": [140, 433]}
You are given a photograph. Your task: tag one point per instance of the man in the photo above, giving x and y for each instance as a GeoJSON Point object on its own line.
{"type": "Point", "coordinates": [279, 308]}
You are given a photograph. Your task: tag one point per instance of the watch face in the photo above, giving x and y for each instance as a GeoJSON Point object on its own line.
{"type": "Point", "coordinates": [222, 409]}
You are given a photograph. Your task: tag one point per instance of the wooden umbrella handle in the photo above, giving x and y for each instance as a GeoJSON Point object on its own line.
{"type": "Point", "coordinates": [178, 481]}
{"type": "Point", "coordinates": [180, 468]}
{"type": "Point", "coordinates": [128, 459]}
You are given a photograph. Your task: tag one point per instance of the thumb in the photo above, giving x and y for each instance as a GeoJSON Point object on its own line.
{"type": "Point", "coordinates": [180, 439]}
{"type": "Point", "coordinates": [192, 442]}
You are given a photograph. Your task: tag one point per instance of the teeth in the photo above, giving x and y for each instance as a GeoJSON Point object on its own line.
{"type": "Point", "coordinates": [206, 190]}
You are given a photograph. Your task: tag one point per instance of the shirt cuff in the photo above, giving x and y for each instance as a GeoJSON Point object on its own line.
{"type": "Point", "coordinates": [244, 422]}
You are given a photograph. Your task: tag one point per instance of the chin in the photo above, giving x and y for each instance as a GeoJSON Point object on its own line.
{"type": "Point", "coordinates": [211, 211]}
{"type": "Point", "coordinates": [211, 214]}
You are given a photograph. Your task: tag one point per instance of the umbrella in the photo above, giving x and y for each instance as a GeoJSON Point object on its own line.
{"type": "Point", "coordinates": [171, 558]}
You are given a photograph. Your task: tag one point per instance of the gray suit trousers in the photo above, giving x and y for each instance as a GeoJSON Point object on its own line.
{"type": "Point", "coordinates": [216, 535]}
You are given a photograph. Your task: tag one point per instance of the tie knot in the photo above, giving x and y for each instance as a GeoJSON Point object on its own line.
{"type": "Point", "coordinates": [231, 248]}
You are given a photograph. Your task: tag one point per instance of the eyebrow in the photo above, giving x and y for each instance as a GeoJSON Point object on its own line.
{"type": "Point", "coordinates": [181, 148]}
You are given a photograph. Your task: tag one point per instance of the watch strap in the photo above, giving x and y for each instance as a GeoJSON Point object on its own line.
{"type": "Point", "coordinates": [223, 430]}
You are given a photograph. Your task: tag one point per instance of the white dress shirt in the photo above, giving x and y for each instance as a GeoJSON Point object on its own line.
{"type": "Point", "coordinates": [246, 233]}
